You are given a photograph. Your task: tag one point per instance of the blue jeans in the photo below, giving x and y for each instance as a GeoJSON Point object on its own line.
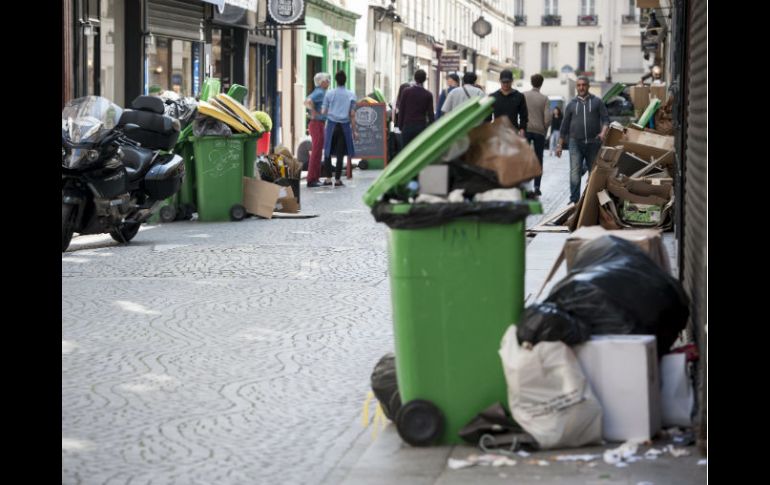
{"type": "Point", "coordinates": [581, 159]}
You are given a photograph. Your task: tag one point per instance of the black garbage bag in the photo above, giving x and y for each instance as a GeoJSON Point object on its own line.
{"type": "Point", "coordinates": [615, 288]}
{"type": "Point", "coordinates": [385, 386]}
{"type": "Point", "coordinates": [547, 322]}
{"type": "Point", "coordinates": [493, 428]}
{"type": "Point", "coordinates": [473, 179]}
{"type": "Point", "coordinates": [431, 215]}
{"type": "Point", "coordinates": [205, 125]}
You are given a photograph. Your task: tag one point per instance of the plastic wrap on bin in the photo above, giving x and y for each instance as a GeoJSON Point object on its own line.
{"type": "Point", "coordinates": [205, 126]}
{"type": "Point", "coordinates": [615, 288]}
{"type": "Point", "coordinates": [419, 216]}
{"type": "Point", "coordinates": [546, 322]}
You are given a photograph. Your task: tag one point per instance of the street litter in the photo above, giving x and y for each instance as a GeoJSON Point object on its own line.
{"type": "Point", "coordinates": [677, 452]}
{"type": "Point", "coordinates": [482, 460]}
{"type": "Point", "coordinates": [626, 451]}
{"type": "Point", "coordinates": [577, 457]}
{"type": "Point", "coordinates": [652, 453]}
{"type": "Point", "coordinates": [522, 453]}
{"type": "Point", "coordinates": [703, 462]}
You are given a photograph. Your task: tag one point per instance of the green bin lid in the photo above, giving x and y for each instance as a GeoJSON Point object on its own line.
{"type": "Point", "coordinates": [614, 91]}
{"type": "Point", "coordinates": [429, 145]}
{"type": "Point", "coordinates": [378, 95]}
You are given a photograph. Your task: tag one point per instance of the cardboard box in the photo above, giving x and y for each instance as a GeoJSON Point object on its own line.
{"type": "Point", "coordinates": [434, 179]}
{"type": "Point", "coordinates": [648, 153]}
{"type": "Point", "coordinates": [286, 202]}
{"type": "Point", "coordinates": [658, 91]}
{"type": "Point", "coordinates": [628, 164]}
{"type": "Point", "coordinates": [623, 373]}
{"type": "Point", "coordinates": [259, 197]}
{"type": "Point", "coordinates": [614, 134]}
{"type": "Point", "coordinates": [664, 142]}
{"type": "Point", "coordinates": [641, 214]}
{"type": "Point", "coordinates": [640, 96]}
{"type": "Point", "coordinates": [610, 154]}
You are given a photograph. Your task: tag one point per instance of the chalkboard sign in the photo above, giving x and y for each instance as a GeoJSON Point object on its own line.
{"type": "Point", "coordinates": [371, 126]}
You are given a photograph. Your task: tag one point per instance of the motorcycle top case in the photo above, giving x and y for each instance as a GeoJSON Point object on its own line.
{"type": "Point", "coordinates": [165, 179]}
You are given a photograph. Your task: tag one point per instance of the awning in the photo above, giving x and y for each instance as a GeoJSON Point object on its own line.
{"type": "Point", "coordinates": [244, 4]}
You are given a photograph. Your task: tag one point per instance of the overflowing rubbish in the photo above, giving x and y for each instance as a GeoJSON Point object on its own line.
{"type": "Point", "coordinates": [612, 288]}
{"type": "Point", "coordinates": [549, 395]}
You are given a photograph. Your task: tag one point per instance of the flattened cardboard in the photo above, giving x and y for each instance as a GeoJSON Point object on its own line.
{"type": "Point", "coordinates": [259, 197]}
{"type": "Point", "coordinates": [664, 142]}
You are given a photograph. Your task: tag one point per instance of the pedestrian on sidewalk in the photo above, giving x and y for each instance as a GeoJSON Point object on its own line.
{"type": "Point", "coordinates": [556, 118]}
{"type": "Point", "coordinates": [453, 81]}
{"type": "Point", "coordinates": [314, 103]}
{"type": "Point", "coordinates": [339, 106]}
{"type": "Point", "coordinates": [539, 119]}
{"type": "Point", "coordinates": [511, 103]}
{"type": "Point", "coordinates": [415, 109]}
{"type": "Point", "coordinates": [462, 94]}
{"type": "Point", "coordinates": [585, 125]}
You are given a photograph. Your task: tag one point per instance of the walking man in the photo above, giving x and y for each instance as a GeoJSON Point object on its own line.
{"type": "Point", "coordinates": [585, 125]}
{"type": "Point", "coordinates": [539, 119]}
{"type": "Point", "coordinates": [511, 103]}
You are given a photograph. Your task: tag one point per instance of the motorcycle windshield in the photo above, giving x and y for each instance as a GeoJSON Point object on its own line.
{"type": "Point", "coordinates": [87, 120]}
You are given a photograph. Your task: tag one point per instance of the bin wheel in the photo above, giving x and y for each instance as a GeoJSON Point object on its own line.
{"type": "Point", "coordinates": [419, 422]}
{"type": "Point", "coordinates": [363, 165]}
{"type": "Point", "coordinates": [237, 212]}
{"type": "Point", "coordinates": [167, 213]}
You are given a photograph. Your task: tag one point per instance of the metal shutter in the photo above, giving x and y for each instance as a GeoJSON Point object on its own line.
{"type": "Point", "coordinates": [180, 19]}
{"type": "Point", "coordinates": [695, 196]}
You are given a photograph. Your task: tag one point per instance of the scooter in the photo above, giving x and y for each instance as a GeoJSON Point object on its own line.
{"type": "Point", "coordinates": [114, 177]}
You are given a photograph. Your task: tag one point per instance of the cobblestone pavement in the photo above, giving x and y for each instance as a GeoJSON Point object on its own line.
{"type": "Point", "coordinates": [226, 353]}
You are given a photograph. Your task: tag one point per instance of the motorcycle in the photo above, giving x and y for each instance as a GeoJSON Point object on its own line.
{"type": "Point", "coordinates": [112, 183]}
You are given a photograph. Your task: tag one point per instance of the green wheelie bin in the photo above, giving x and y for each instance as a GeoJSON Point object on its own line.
{"type": "Point", "coordinates": [219, 177]}
{"type": "Point", "coordinates": [456, 286]}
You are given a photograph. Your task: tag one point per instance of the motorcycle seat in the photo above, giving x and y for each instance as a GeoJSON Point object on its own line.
{"type": "Point", "coordinates": [136, 161]}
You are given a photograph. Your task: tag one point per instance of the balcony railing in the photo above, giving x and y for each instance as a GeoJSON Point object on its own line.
{"type": "Point", "coordinates": [588, 19]}
{"type": "Point", "coordinates": [630, 19]}
{"type": "Point", "coordinates": [551, 20]}
{"type": "Point", "coordinates": [519, 20]}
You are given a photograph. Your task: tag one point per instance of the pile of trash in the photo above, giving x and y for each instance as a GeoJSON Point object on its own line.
{"type": "Point", "coordinates": [631, 183]}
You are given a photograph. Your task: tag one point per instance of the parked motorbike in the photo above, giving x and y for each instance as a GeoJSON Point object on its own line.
{"type": "Point", "coordinates": [114, 176]}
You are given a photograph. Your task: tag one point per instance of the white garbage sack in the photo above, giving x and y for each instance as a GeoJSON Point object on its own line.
{"type": "Point", "coordinates": [676, 394]}
{"type": "Point", "coordinates": [548, 394]}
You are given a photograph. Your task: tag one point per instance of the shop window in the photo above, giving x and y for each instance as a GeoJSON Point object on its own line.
{"type": "Point", "coordinates": [171, 65]}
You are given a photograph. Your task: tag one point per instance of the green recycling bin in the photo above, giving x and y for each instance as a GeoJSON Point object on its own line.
{"type": "Point", "coordinates": [186, 200]}
{"type": "Point", "coordinates": [456, 286]}
{"type": "Point", "coordinates": [219, 177]}
{"type": "Point", "coordinates": [250, 154]}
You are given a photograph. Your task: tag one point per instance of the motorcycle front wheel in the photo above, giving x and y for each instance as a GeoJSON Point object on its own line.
{"type": "Point", "coordinates": [68, 217]}
{"type": "Point", "coordinates": [125, 232]}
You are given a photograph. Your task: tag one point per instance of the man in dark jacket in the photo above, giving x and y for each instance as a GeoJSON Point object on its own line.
{"type": "Point", "coordinates": [415, 109]}
{"type": "Point", "coordinates": [453, 81]}
{"type": "Point", "coordinates": [511, 103]}
{"type": "Point", "coordinates": [585, 124]}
